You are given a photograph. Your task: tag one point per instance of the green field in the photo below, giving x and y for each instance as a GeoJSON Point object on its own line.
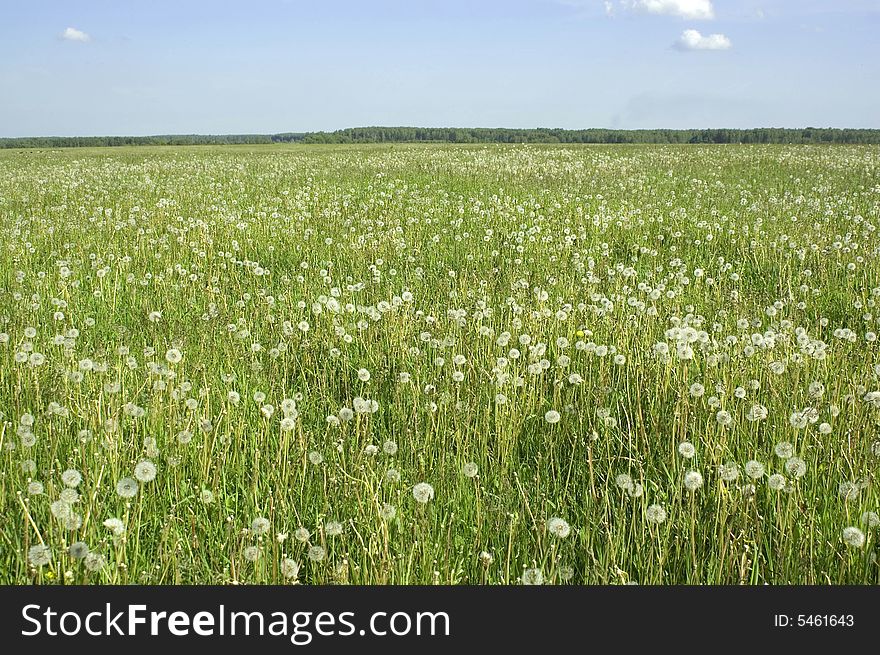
{"type": "Point", "coordinates": [440, 364]}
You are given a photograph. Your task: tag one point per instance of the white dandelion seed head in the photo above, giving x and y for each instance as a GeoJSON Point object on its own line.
{"type": "Point", "coordinates": [854, 537]}
{"type": "Point", "coordinates": [532, 577]}
{"type": "Point", "coordinates": [145, 471]}
{"type": "Point", "coordinates": [71, 478]}
{"type": "Point", "coordinates": [423, 492]}
{"type": "Point", "coordinates": [655, 514]}
{"type": "Point", "coordinates": [558, 527]}
{"type": "Point", "coordinates": [693, 480]}
{"type": "Point", "coordinates": [127, 488]}
{"type": "Point", "coordinates": [39, 555]}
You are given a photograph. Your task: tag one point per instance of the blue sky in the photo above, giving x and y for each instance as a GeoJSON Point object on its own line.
{"type": "Point", "coordinates": [101, 67]}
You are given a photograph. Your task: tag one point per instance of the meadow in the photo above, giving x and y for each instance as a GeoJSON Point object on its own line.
{"type": "Point", "coordinates": [427, 364]}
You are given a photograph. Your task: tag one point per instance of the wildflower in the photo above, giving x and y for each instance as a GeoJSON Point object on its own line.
{"type": "Point", "coordinates": [290, 568]}
{"type": "Point", "coordinates": [316, 553]}
{"type": "Point", "coordinates": [754, 469]}
{"type": "Point", "coordinates": [558, 527]}
{"type": "Point", "coordinates": [686, 449]}
{"type": "Point", "coordinates": [71, 478]}
{"type": "Point", "coordinates": [655, 514]}
{"type": "Point", "coordinates": [260, 526]}
{"type": "Point", "coordinates": [145, 471]}
{"type": "Point", "coordinates": [252, 553]}
{"type": "Point", "coordinates": [854, 537]}
{"type": "Point", "coordinates": [388, 512]}
{"type": "Point", "coordinates": [470, 470]}
{"type": "Point", "coordinates": [693, 480]}
{"type": "Point", "coordinates": [729, 471]}
{"type": "Point", "coordinates": [784, 450]}
{"type": "Point", "coordinates": [552, 416]}
{"type": "Point", "coordinates": [423, 492]}
{"type": "Point", "coordinates": [39, 555]}
{"type": "Point", "coordinates": [78, 550]}
{"type": "Point", "coordinates": [532, 577]}
{"type": "Point", "coordinates": [796, 467]}
{"type": "Point", "coordinates": [776, 481]}
{"type": "Point", "coordinates": [173, 356]}
{"type": "Point", "coordinates": [94, 562]}
{"type": "Point", "coordinates": [115, 526]}
{"type": "Point", "coordinates": [127, 488]}
{"type": "Point", "coordinates": [871, 519]}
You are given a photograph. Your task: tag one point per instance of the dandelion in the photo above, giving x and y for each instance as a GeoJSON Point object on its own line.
{"type": "Point", "coordinates": [686, 449]}
{"type": "Point", "coordinates": [754, 469]}
{"type": "Point", "coordinates": [776, 481]}
{"type": "Point", "coordinates": [854, 537]}
{"type": "Point", "coordinates": [558, 527]}
{"type": "Point", "coordinates": [333, 529]}
{"type": "Point", "coordinates": [532, 577]}
{"type": "Point", "coordinates": [127, 488]}
{"type": "Point", "coordinates": [624, 481]}
{"type": "Point", "coordinates": [71, 478]}
{"type": "Point", "coordinates": [116, 526]}
{"type": "Point", "coordinates": [94, 562]}
{"type": "Point", "coordinates": [145, 471]}
{"type": "Point", "coordinates": [35, 488]}
{"type": "Point", "coordinates": [388, 512]}
{"type": "Point", "coordinates": [78, 550]}
{"type": "Point", "coordinates": [260, 526]}
{"type": "Point", "coordinates": [289, 568]}
{"type": "Point", "coordinates": [316, 553]}
{"type": "Point", "coordinates": [848, 490]}
{"type": "Point", "coordinates": [871, 519]}
{"type": "Point", "coordinates": [693, 480]}
{"type": "Point", "coordinates": [251, 553]}
{"type": "Point", "coordinates": [552, 416]}
{"type": "Point", "coordinates": [302, 534]}
{"type": "Point", "coordinates": [39, 555]}
{"type": "Point", "coordinates": [206, 496]}
{"type": "Point", "coordinates": [795, 467]}
{"type": "Point", "coordinates": [315, 457]}
{"type": "Point", "coordinates": [470, 470]}
{"type": "Point", "coordinates": [423, 492]}
{"type": "Point", "coordinates": [363, 375]}
{"type": "Point", "coordinates": [389, 448]}
{"type": "Point", "coordinates": [729, 471]}
{"type": "Point", "coordinates": [784, 450]}
{"type": "Point", "coordinates": [655, 514]}
{"type": "Point", "coordinates": [173, 356]}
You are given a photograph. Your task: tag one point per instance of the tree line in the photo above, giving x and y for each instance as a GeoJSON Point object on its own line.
{"type": "Point", "coordinates": [468, 135]}
{"type": "Point", "coordinates": [594, 135]}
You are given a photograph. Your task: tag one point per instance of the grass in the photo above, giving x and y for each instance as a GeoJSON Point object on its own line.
{"type": "Point", "coordinates": [472, 283]}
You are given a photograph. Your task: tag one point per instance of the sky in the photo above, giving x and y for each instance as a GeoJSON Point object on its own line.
{"type": "Point", "coordinates": [106, 67]}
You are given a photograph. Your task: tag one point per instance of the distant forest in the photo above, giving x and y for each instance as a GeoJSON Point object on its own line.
{"type": "Point", "coordinates": [467, 135]}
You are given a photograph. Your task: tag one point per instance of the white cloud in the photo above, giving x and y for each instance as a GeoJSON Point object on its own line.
{"type": "Point", "coordinates": [693, 40]}
{"type": "Point", "coordinates": [73, 34]}
{"type": "Point", "coordinates": [693, 9]}
{"type": "Point", "coordinates": [609, 8]}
